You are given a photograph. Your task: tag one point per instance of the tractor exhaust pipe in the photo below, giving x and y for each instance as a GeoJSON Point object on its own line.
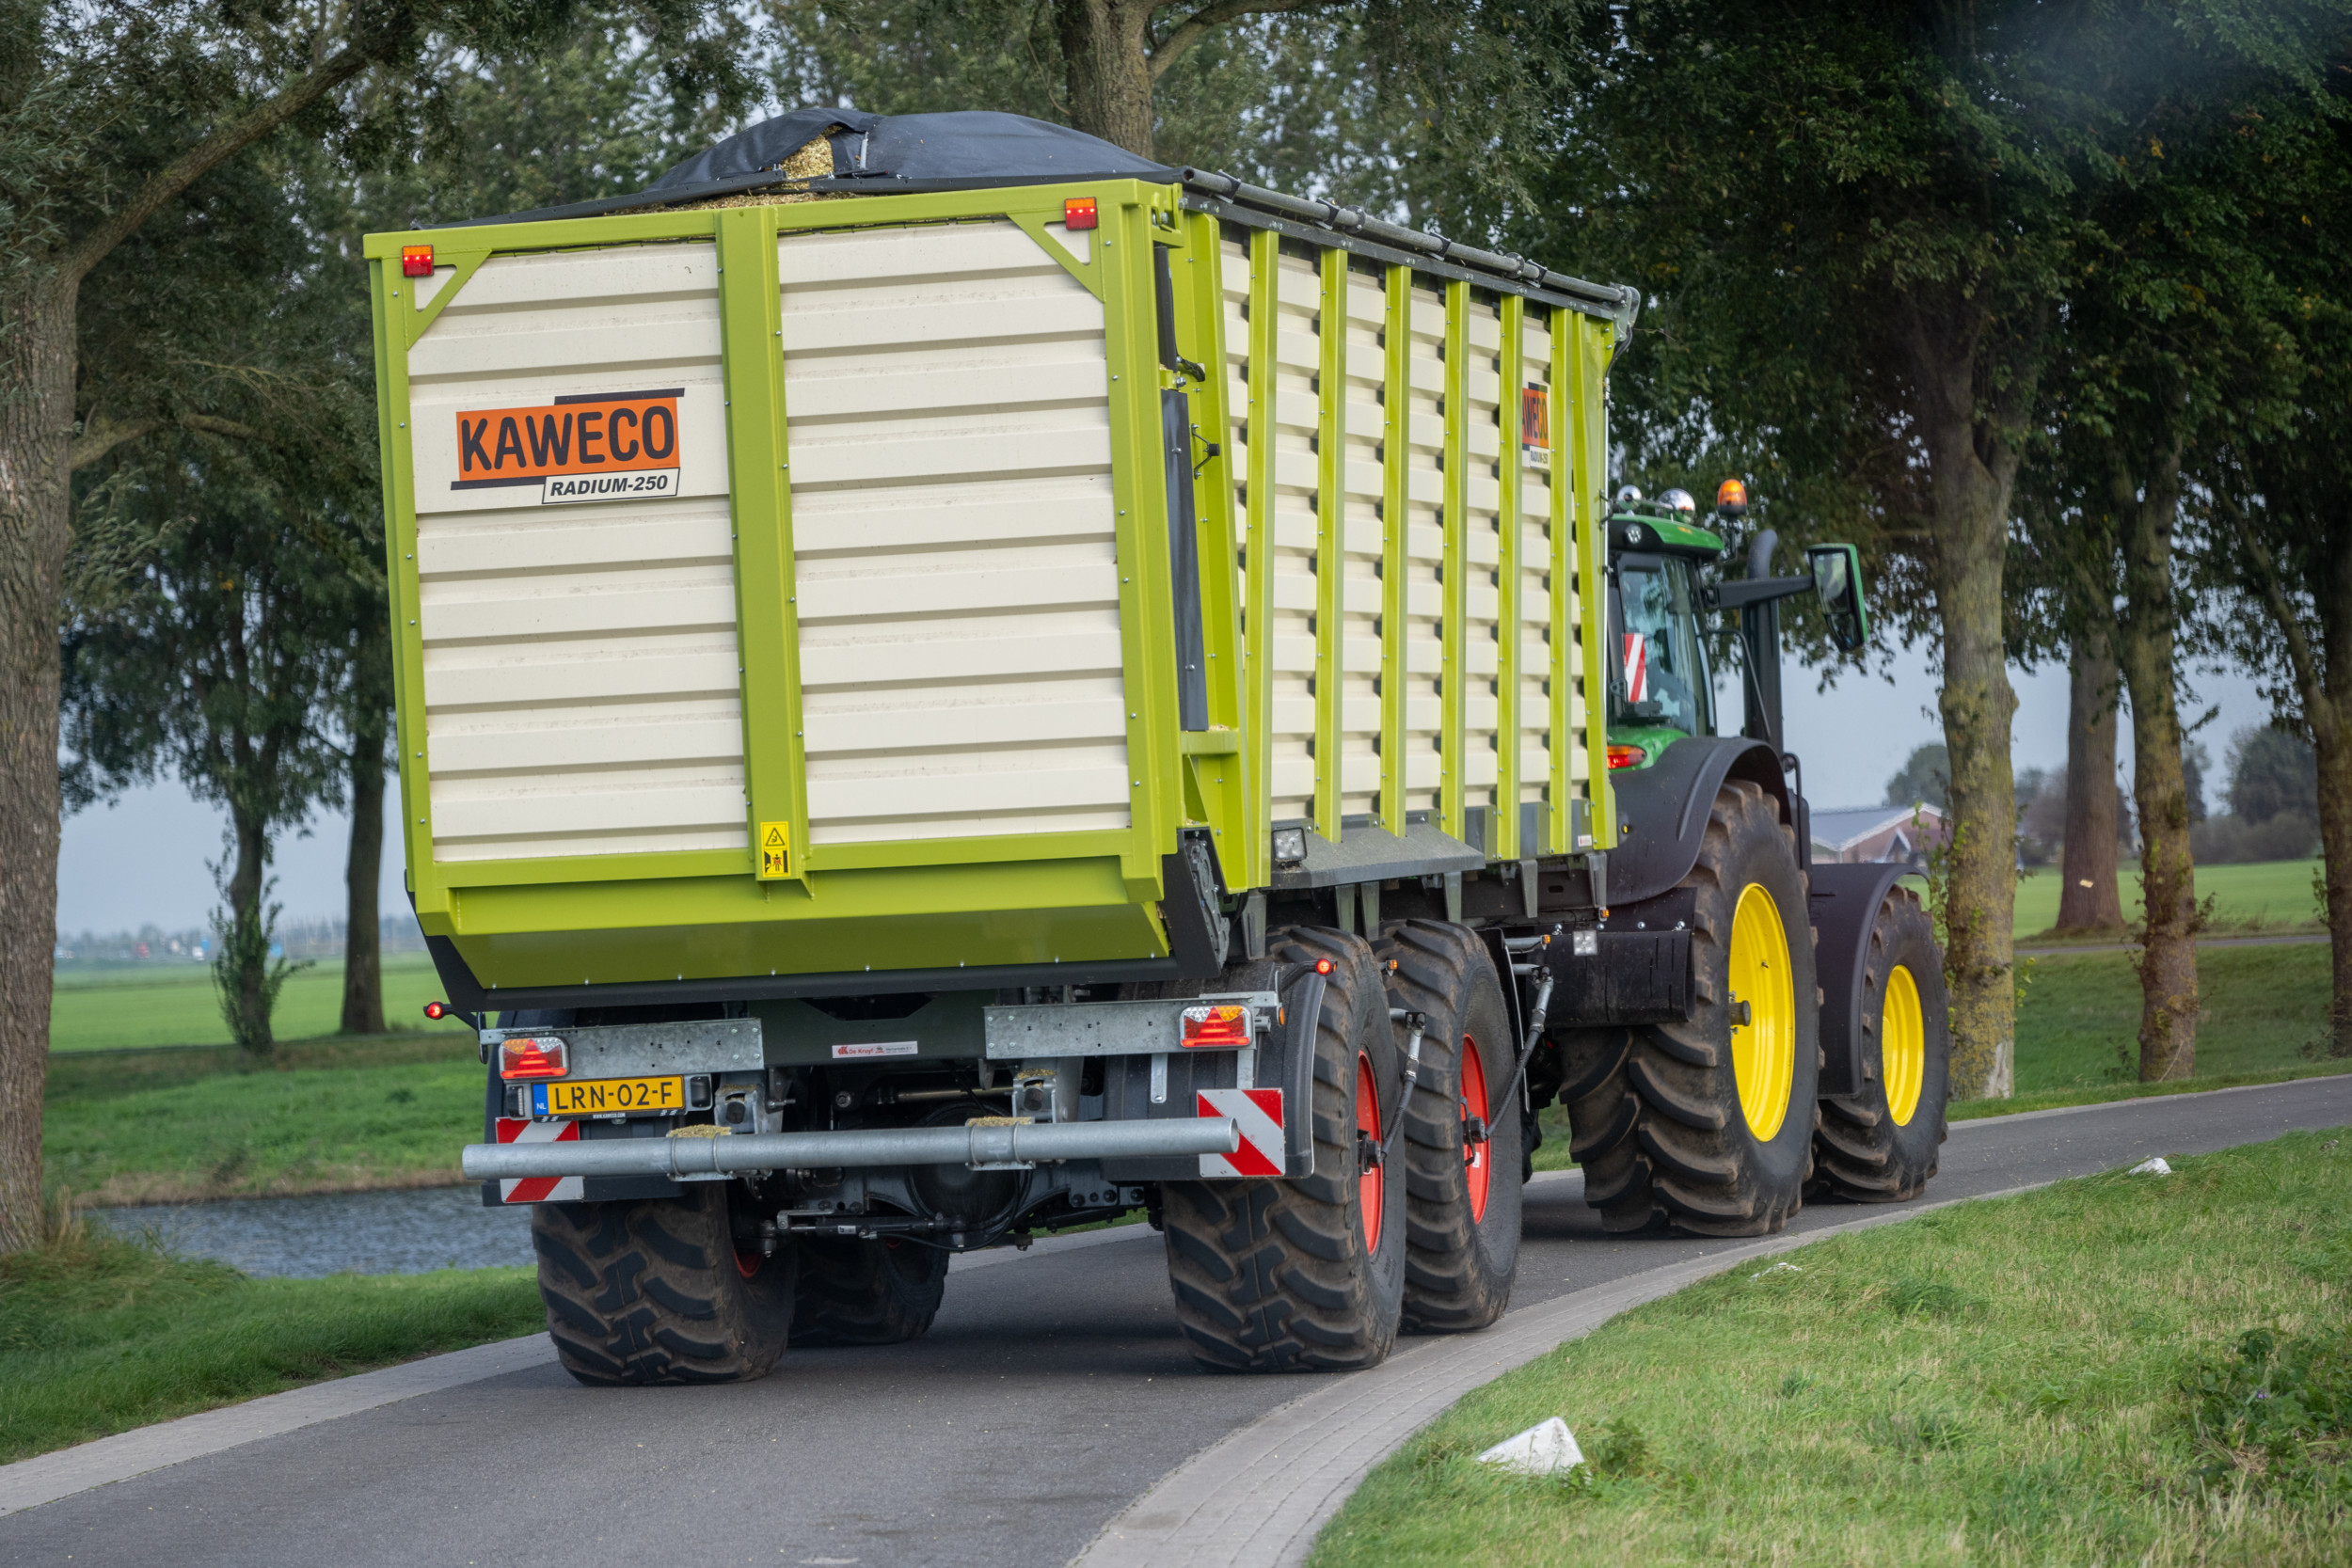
{"type": "Point", "coordinates": [979, 1145]}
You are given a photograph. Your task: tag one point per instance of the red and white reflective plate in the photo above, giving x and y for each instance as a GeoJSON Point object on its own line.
{"type": "Point", "coordinates": [540, 1189]}
{"type": "Point", "coordinates": [1258, 1113]}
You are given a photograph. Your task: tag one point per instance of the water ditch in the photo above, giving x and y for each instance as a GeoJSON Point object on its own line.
{"type": "Point", "coordinates": [306, 1238]}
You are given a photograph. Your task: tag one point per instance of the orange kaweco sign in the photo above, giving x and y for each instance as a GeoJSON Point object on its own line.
{"type": "Point", "coordinates": [587, 446]}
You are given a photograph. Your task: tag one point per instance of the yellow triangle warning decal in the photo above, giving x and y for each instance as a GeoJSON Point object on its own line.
{"type": "Point", "coordinates": [774, 840]}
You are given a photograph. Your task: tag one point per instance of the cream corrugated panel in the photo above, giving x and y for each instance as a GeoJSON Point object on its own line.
{"type": "Point", "coordinates": [1234, 273]}
{"type": "Point", "coordinates": [580, 680]}
{"type": "Point", "coordinates": [947, 405]}
{"type": "Point", "coordinates": [1292, 637]}
{"type": "Point", "coordinates": [1424, 551]}
{"type": "Point", "coordinates": [1481, 711]}
{"type": "Point", "coordinates": [1535, 525]}
{"type": "Point", "coordinates": [1361, 544]}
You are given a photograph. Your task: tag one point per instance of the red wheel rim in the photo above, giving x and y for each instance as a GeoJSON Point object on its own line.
{"type": "Point", "coordinates": [747, 1263]}
{"type": "Point", "coordinates": [1368, 1185]}
{"type": "Point", "coordinates": [1479, 1168]}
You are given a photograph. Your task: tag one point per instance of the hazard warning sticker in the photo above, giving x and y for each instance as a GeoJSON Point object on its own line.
{"type": "Point", "coordinates": [539, 1189]}
{"type": "Point", "coordinates": [1258, 1115]}
{"type": "Point", "coordinates": [775, 850]}
{"type": "Point", "coordinates": [585, 446]}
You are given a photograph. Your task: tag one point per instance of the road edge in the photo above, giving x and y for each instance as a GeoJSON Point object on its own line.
{"type": "Point", "coordinates": [1257, 1498]}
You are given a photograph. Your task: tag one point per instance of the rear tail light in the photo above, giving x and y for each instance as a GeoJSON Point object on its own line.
{"type": "Point", "coordinates": [1078, 212]}
{"type": "Point", "coordinates": [531, 1056]}
{"type": "Point", "coordinates": [1225, 1027]}
{"type": "Point", "coordinates": [1626, 756]}
{"type": "Point", "coordinates": [416, 261]}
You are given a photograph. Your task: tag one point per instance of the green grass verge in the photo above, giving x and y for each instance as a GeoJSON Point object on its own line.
{"type": "Point", "coordinates": [323, 1116]}
{"type": "Point", "coordinates": [121, 1008]}
{"type": "Point", "coordinates": [99, 1334]}
{"type": "Point", "coordinates": [2273, 896]}
{"type": "Point", "coordinates": [2070, 1376]}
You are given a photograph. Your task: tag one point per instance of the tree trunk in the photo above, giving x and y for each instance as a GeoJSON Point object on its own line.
{"type": "Point", "coordinates": [363, 876]}
{"type": "Point", "coordinates": [2328, 713]}
{"type": "Point", "coordinates": [363, 873]}
{"type": "Point", "coordinates": [1104, 61]}
{"type": "Point", "coordinates": [1972, 467]}
{"type": "Point", "coordinates": [2088, 898]}
{"type": "Point", "coordinates": [242, 973]}
{"type": "Point", "coordinates": [2167, 874]}
{"type": "Point", "coordinates": [36, 423]}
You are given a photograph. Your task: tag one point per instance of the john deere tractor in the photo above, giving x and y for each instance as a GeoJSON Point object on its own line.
{"type": "Point", "coordinates": [1811, 1054]}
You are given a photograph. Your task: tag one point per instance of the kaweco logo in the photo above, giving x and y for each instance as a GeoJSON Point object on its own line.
{"type": "Point", "coordinates": [587, 446]}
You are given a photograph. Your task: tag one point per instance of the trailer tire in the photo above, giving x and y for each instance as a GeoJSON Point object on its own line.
{"type": "Point", "coordinates": [1461, 1201]}
{"type": "Point", "coordinates": [1697, 1123]}
{"type": "Point", "coordinates": [1882, 1146]}
{"type": "Point", "coordinates": [1285, 1276]}
{"type": "Point", "coordinates": [883, 1292]}
{"type": "Point", "coordinates": [654, 1290]}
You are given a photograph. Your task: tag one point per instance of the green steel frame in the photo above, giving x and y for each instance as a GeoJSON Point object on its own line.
{"type": "Point", "coordinates": [1029, 898]}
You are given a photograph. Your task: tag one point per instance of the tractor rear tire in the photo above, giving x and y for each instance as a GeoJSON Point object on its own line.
{"type": "Point", "coordinates": [857, 1292]}
{"type": "Point", "coordinates": [1883, 1145]}
{"type": "Point", "coordinates": [1305, 1275]}
{"type": "Point", "coordinates": [654, 1290]}
{"type": "Point", "coordinates": [1461, 1198]}
{"type": "Point", "coordinates": [1709, 1124]}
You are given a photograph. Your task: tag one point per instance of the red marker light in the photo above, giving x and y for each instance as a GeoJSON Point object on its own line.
{"type": "Point", "coordinates": [531, 1057]}
{"type": "Point", "coordinates": [1222, 1027]}
{"type": "Point", "coordinates": [1323, 966]}
{"type": "Point", "coordinates": [416, 261]}
{"type": "Point", "coordinates": [1078, 212]}
{"type": "Point", "coordinates": [436, 1010]}
{"type": "Point", "coordinates": [1626, 756]}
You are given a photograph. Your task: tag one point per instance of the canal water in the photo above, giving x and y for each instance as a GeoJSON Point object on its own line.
{"type": "Point", "coordinates": [402, 1232]}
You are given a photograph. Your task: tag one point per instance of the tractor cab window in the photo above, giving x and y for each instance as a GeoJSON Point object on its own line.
{"type": "Point", "coordinates": [1657, 675]}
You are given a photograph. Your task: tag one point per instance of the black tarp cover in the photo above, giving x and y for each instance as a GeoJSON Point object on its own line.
{"type": "Point", "coordinates": [968, 149]}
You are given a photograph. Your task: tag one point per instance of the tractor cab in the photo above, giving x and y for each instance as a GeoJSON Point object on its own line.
{"type": "Point", "coordinates": [1664, 576]}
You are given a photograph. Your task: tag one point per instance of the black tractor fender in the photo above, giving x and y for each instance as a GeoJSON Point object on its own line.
{"type": "Point", "coordinates": [1662, 809]}
{"type": "Point", "coordinates": [1845, 906]}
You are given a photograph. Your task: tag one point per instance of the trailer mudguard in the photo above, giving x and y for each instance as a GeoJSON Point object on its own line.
{"type": "Point", "coordinates": [1662, 809]}
{"type": "Point", "coordinates": [1845, 906]}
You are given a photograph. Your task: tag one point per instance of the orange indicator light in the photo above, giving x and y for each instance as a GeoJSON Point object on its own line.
{"type": "Point", "coordinates": [416, 261]}
{"type": "Point", "coordinates": [1078, 212]}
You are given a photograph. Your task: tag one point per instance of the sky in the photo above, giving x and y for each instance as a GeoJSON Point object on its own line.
{"type": "Point", "coordinates": [143, 858]}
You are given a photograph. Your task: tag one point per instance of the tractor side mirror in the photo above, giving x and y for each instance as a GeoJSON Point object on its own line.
{"type": "Point", "coordinates": [1838, 579]}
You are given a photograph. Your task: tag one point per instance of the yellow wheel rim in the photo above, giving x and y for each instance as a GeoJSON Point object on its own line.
{"type": "Point", "coordinates": [1763, 1048]}
{"type": "Point", "coordinates": [1902, 1045]}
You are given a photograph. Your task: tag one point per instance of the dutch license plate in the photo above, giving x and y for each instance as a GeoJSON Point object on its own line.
{"type": "Point", "coordinates": [605, 1097]}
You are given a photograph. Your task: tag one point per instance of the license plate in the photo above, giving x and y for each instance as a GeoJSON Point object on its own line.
{"type": "Point", "coordinates": [609, 1096]}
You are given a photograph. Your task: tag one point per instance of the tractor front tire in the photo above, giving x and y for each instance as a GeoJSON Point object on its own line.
{"type": "Point", "coordinates": [1305, 1275]}
{"type": "Point", "coordinates": [1883, 1145]}
{"type": "Point", "coordinates": [859, 1292]}
{"type": "Point", "coordinates": [654, 1290]}
{"type": "Point", "coordinates": [1461, 1190]}
{"type": "Point", "coordinates": [1709, 1124]}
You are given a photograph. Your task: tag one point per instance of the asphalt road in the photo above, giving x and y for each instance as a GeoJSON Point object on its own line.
{"type": "Point", "coordinates": [1052, 1392]}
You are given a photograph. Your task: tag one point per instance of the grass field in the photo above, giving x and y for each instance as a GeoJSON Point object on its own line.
{"type": "Point", "coordinates": [99, 1334]}
{"type": "Point", "coordinates": [2275, 895]}
{"type": "Point", "coordinates": [2147, 1369]}
{"type": "Point", "coordinates": [98, 1010]}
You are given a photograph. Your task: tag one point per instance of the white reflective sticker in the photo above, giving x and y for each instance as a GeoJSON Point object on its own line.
{"type": "Point", "coordinates": [874, 1048]}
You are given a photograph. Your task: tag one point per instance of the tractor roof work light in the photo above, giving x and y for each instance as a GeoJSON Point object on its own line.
{"type": "Point", "coordinates": [1731, 498]}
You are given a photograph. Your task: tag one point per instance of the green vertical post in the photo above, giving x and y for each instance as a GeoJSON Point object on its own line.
{"type": "Point", "coordinates": [766, 616]}
{"type": "Point", "coordinates": [1217, 778]}
{"type": "Point", "coordinates": [392, 342]}
{"type": "Point", "coordinates": [1258, 563]}
{"type": "Point", "coordinates": [1396, 437]}
{"type": "Point", "coordinates": [1503, 833]}
{"type": "Point", "coordinates": [1330, 535]}
{"type": "Point", "coordinates": [1580, 474]}
{"type": "Point", "coordinates": [1454, 592]}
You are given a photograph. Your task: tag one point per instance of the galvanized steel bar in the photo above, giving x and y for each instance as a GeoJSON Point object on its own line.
{"type": "Point", "coordinates": [977, 1145]}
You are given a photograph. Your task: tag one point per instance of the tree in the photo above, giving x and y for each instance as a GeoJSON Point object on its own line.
{"type": "Point", "coordinates": [2088, 899]}
{"type": "Point", "coordinates": [1863, 227]}
{"type": "Point", "coordinates": [109, 111]}
{"type": "Point", "coordinates": [215, 663]}
{"type": "Point", "coordinates": [2272, 773]}
{"type": "Point", "coordinates": [1926, 777]}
